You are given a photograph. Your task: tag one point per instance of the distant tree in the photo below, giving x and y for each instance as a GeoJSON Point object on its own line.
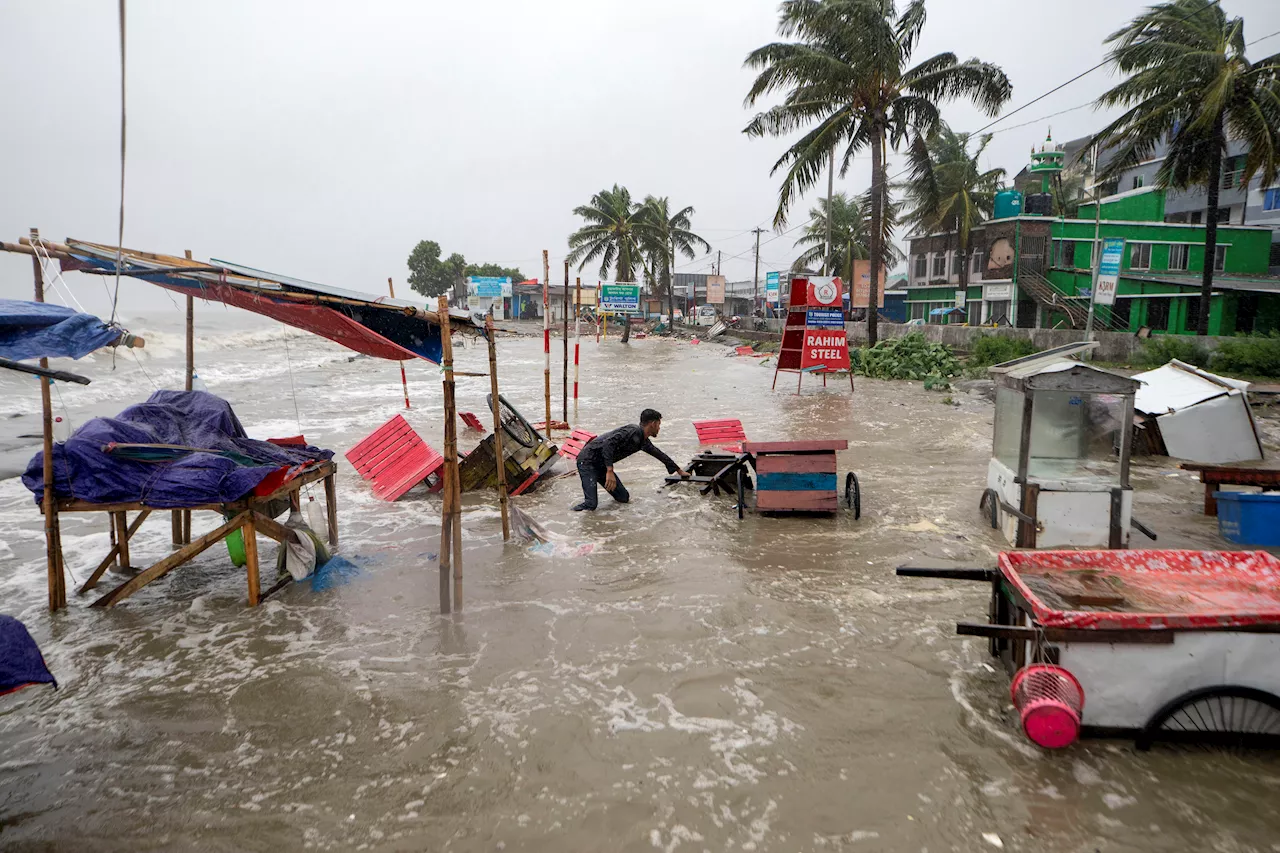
{"type": "Point", "coordinates": [428, 274]}
{"type": "Point", "coordinates": [1189, 83]}
{"type": "Point", "coordinates": [948, 191]}
{"type": "Point", "coordinates": [613, 234]}
{"type": "Point", "coordinates": [847, 75]}
{"type": "Point", "coordinates": [663, 234]}
{"type": "Point", "coordinates": [850, 236]}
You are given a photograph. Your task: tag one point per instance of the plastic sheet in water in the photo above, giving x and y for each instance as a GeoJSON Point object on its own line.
{"type": "Point", "coordinates": [543, 543]}
{"type": "Point", "coordinates": [336, 572]}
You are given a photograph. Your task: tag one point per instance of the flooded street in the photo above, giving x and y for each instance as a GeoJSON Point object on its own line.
{"type": "Point", "coordinates": [696, 683]}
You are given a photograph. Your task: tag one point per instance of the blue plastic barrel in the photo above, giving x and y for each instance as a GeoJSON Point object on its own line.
{"type": "Point", "coordinates": [1249, 518]}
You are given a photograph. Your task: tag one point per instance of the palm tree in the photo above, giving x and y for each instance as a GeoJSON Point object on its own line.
{"type": "Point", "coordinates": [613, 233]}
{"type": "Point", "coordinates": [850, 236]}
{"type": "Point", "coordinates": [848, 74]}
{"type": "Point", "coordinates": [1190, 84]}
{"type": "Point", "coordinates": [663, 234]}
{"type": "Point", "coordinates": [947, 189]}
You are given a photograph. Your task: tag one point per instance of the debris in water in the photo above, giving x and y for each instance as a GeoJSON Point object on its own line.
{"type": "Point", "coordinates": [992, 839]}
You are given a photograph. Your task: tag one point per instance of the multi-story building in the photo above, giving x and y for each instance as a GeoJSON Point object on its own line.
{"type": "Point", "coordinates": [1036, 271]}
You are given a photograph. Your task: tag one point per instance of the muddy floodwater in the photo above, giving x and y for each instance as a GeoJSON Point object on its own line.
{"type": "Point", "coordinates": [694, 683]}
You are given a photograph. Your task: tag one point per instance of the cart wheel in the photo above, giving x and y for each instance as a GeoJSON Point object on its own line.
{"type": "Point", "coordinates": [742, 491]}
{"type": "Point", "coordinates": [989, 505]}
{"type": "Point", "coordinates": [1241, 717]}
{"type": "Point", "coordinates": [853, 495]}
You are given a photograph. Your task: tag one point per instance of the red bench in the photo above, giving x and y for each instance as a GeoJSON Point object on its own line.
{"type": "Point", "coordinates": [395, 459]}
{"type": "Point", "coordinates": [727, 433]}
{"type": "Point", "coordinates": [471, 421]}
{"type": "Point", "coordinates": [574, 443]}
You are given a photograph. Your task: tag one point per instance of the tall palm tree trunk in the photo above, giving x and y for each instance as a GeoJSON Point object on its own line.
{"type": "Point", "coordinates": [671, 287]}
{"type": "Point", "coordinates": [1211, 227]}
{"type": "Point", "coordinates": [878, 192]}
{"type": "Point", "coordinates": [964, 275]}
{"type": "Point", "coordinates": [625, 270]}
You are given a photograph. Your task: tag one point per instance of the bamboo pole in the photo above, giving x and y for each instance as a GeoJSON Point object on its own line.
{"type": "Point", "coordinates": [577, 342]}
{"type": "Point", "coordinates": [451, 494]}
{"type": "Point", "coordinates": [546, 334]}
{"type": "Point", "coordinates": [52, 538]}
{"type": "Point", "coordinates": [404, 380]}
{"type": "Point", "coordinates": [497, 428]}
{"type": "Point", "coordinates": [564, 371]}
{"type": "Point", "coordinates": [191, 334]}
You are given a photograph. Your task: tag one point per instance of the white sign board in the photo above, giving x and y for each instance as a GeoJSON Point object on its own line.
{"type": "Point", "coordinates": [1104, 293]}
{"type": "Point", "coordinates": [998, 291]}
{"type": "Point", "coordinates": [960, 297]}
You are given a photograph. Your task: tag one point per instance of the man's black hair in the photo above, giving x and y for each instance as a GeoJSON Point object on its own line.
{"type": "Point", "coordinates": [648, 416]}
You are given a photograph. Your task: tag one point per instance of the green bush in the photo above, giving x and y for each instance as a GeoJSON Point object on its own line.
{"type": "Point", "coordinates": [908, 357]}
{"type": "Point", "coordinates": [997, 349]}
{"type": "Point", "coordinates": [1164, 348]}
{"type": "Point", "coordinates": [1249, 355]}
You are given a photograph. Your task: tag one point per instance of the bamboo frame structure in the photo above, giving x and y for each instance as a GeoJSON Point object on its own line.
{"type": "Point", "coordinates": [497, 428]}
{"type": "Point", "coordinates": [451, 512]}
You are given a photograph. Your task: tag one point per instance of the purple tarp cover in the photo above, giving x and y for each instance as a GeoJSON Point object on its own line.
{"type": "Point", "coordinates": [21, 663]}
{"type": "Point", "coordinates": [83, 470]}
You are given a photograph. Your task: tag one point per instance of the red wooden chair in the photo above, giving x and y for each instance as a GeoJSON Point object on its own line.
{"type": "Point", "coordinates": [722, 433]}
{"type": "Point", "coordinates": [395, 459]}
{"type": "Point", "coordinates": [574, 443]}
{"type": "Point", "coordinates": [471, 421]}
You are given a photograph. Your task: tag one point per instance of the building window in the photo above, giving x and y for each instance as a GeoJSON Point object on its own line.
{"type": "Point", "coordinates": [977, 262]}
{"type": "Point", "coordinates": [1178, 256]}
{"type": "Point", "coordinates": [939, 264]}
{"type": "Point", "coordinates": [921, 267]}
{"type": "Point", "coordinates": [1224, 216]}
{"type": "Point", "coordinates": [1140, 256]}
{"type": "Point", "coordinates": [973, 315]}
{"type": "Point", "coordinates": [1271, 200]}
{"type": "Point", "coordinates": [998, 312]}
{"type": "Point", "coordinates": [957, 263]}
{"type": "Point", "coordinates": [917, 310]}
{"type": "Point", "coordinates": [1139, 181]}
{"type": "Point", "coordinates": [1193, 314]}
{"type": "Point", "coordinates": [1219, 258]}
{"type": "Point", "coordinates": [1158, 314]}
{"type": "Point", "coordinates": [1196, 217]}
{"type": "Point", "coordinates": [1233, 172]}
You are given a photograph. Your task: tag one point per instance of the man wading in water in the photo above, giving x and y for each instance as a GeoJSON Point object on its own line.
{"type": "Point", "coordinates": [595, 461]}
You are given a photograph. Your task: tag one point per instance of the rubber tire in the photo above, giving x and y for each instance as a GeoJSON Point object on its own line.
{"type": "Point", "coordinates": [1149, 734]}
{"type": "Point", "coordinates": [742, 493]}
{"type": "Point", "coordinates": [853, 495]}
{"type": "Point", "coordinates": [989, 503]}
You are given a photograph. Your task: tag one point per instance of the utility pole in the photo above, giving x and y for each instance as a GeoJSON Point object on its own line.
{"type": "Point", "coordinates": [831, 188]}
{"type": "Point", "coordinates": [719, 254]}
{"type": "Point", "coordinates": [755, 287]}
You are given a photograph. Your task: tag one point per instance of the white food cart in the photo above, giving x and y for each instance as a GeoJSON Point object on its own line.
{"type": "Point", "coordinates": [1059, 471]}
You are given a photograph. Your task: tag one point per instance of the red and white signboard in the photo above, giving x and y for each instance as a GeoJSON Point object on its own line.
{"type": "Point", "coordinates": [825, 290]}
{"type": "Point", "coordinates": [825, 349]}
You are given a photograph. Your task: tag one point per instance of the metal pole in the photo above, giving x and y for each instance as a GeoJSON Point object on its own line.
{"type": "Point", "coordinates": [404, 380]}
{"type": "Point", "coordinates": [755, 287]}
{"type": "Point", "coordinates": [546, 334]}
{"type": "Point", "coordinates": [564, 377]}
{"type": "Point", "coordinates": [577, 342]}
{"type": "Point", "coordinates": [52, 537]}
{"type": "Point", "coordinates": [497, 428]}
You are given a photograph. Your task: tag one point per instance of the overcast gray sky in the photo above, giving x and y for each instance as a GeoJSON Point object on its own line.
{"type": "Point", "coordinates": [324, 139]}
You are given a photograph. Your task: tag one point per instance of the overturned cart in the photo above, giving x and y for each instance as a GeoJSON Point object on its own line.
{"type": "Point", "coordinates": [789, 477]}
{"type": "Point", "coordinates": [1173, 646]}
{"type": "Point", "coordinates": [527, 453]}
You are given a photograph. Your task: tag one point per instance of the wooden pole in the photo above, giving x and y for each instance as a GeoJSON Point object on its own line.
{"type": "Point", "coordinates": [191, 335]}
{"type": "Point", "coordinates": [564, 372]}
{"type": "Point", "coordinates": [577, 342]}
{"type": "Point", "coordinates": [52, 543]}
{"type": "Point", "coordinates": [404, 381]}
{"type": "Point", "coordinates": [497, 428]}
{"type": "Point", "coordinates": [546, 333]}
{"type": "Point", "coordinates": [249, 535]}
{"type": "Point", "coordinates": [451, 485]}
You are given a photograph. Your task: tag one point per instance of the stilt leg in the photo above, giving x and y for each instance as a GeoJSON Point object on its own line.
{"type": "Point", "coordinates": [122, 537]}
{"type": "Point", "coordinates": [249, 532]}
{"type": "Point", "coordinates": [175, 524]}
{"type": "Point", "coordinates": [331, 506]}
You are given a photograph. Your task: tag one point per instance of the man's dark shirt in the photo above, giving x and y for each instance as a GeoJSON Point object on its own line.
{"type": "Point", "coordinates": [618, 444]}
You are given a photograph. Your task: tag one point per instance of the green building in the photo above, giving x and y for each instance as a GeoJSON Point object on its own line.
{"type": "Point", "coordinates": [1035, 271]}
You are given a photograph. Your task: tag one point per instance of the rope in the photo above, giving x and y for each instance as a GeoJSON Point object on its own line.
{"type": "Point", "coordinates": [115, 299]}
{"type": "Point", "coordinates": [140, 367]}
{"type": "Point", "coordinates": [292, 388]}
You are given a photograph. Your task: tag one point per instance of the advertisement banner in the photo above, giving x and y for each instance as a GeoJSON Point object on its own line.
{"type": "Point", "coordinates": [862, 285]}
{"type": "Point", "coordinates": [824, 318]}
{"type": "Point", "coordinates": [489, 286]}
{"type": "Point", "coordinates": [826, 290]}
{"type": "Point", "coordinates": [825, 349]}
{"type": "Point", "coordinates": [1109, 271]}
{"type": "Point", "coordinates": [620, 297]}
{"type": "Point", "coordinates": [715, 289]}
{"type": "Point", "coordinates": [961, 297]}
{"type": "Point", "coordinates": [772, 287]}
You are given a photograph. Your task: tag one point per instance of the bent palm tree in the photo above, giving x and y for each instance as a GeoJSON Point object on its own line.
{"type": "Point", "coordinates": [848, 74]}
{"type": "Point", "coordinates": [947, 189]}
{"type": "Point", "coordinates": [663, 234]}
{"type": "Point", "coordinates": [1190, 84]}
{"type": "Point", "coordinates": [613, 234]}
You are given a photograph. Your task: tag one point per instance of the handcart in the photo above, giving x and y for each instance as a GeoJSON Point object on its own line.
{"type": "Point", "coordinates": [1165, 646]}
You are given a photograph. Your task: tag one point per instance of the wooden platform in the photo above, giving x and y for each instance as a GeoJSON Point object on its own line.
{"type": "Point", "coordinates": [1263, 473]}
{"type": "Point", "coordinates": [248, 515]}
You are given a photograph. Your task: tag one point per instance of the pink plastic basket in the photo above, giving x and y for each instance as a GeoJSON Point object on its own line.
{"type": "Point", "coordinates": [1050, 700]}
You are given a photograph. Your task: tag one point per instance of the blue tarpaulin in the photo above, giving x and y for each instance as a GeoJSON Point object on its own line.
{"type": "Point", "coordinates": [42, 330]}
{"type": "Point", "coordinates": [226, 466]}
{"type": "Point", "coordinates": [21, 663]}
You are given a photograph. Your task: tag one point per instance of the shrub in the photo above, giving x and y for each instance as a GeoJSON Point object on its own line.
{"type": "Point", "coordinates": [997, 349]}
{"type": "Point", "coordinates": [908, 357]}
{"type": "Point", "coordinates": [1249, 355]}
{"type": "Point", "coordinates": [1164, 348]}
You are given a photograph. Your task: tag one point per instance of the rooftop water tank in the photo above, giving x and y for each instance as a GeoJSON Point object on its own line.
{"type": "Point", "coordinates": [1008, 203]}
{"type": "Point", "coordinates": [1039, 204]}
